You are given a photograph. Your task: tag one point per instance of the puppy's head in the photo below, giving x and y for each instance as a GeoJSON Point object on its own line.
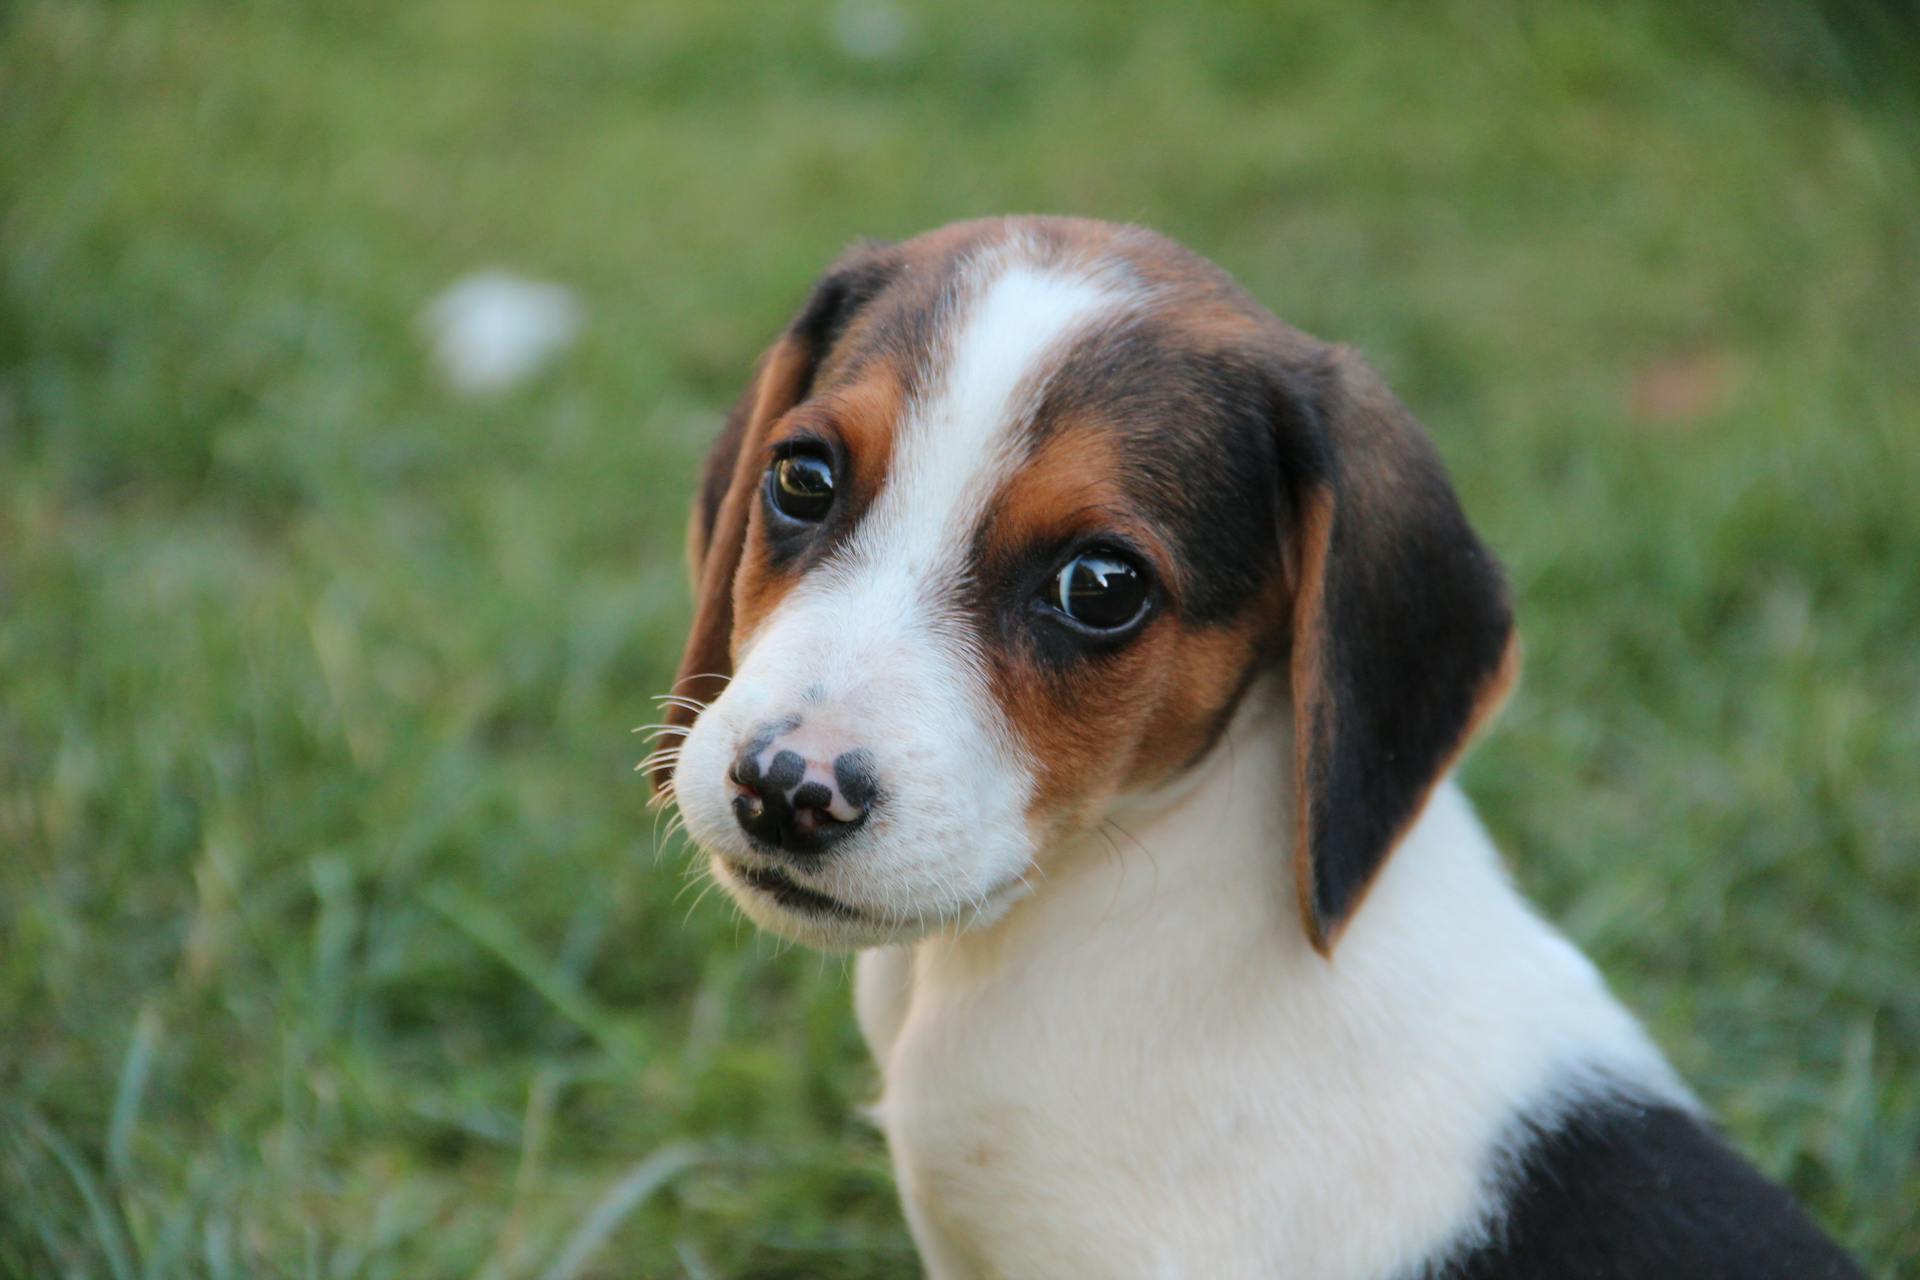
{"type": "Point", "coordinates": [1009, 519]}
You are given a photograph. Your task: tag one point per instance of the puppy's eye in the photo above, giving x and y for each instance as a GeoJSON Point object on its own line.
{"type": "Point", "coordinates": [800, 486]}
{"type": "Point", "coordinates": [1101, 590]}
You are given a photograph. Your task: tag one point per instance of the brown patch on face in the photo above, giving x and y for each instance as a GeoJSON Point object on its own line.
{"type": "Point", "coordinates": [1102, 720]}
{"type": "Point", "coordinates": [1069, 487]}
{"type": "Point", "coordinates": [1129, 720]}
{"type": "Point", "coordinates": [866, 418]}
{"type": "Point", "coordinates": [1073, 720]}
{"type": "Point", "coordinates": [1211, 667]}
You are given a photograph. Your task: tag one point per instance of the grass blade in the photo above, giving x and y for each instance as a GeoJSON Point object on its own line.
{"type": "Point", "coordinates": [620, 1200]}
{"type": "Point", "coordinates": [106, 1223]}
{"type": "Point", "coordinates": [132, 1088]}
{"type": "Point", "coordinates": [492, 929]}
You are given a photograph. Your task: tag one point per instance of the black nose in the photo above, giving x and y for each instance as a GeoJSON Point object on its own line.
{"type": "Point", "coordinates": [781, 808]}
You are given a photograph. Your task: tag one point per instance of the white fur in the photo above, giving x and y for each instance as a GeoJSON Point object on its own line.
{"type": "Point", "coordinates": [1144, 1070]}
{"type": "Point", "coordinates": [869, 644]}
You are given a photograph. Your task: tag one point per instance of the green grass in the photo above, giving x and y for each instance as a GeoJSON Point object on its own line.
{"type": "Point", "coordinates": [333, 937]}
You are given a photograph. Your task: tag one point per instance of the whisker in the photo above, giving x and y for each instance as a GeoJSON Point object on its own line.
{"type": "Point", "coordinates": [676, 823]}
{"type": "Point", "coordinates": [1151, 860]}
{"type": "Point", "coordinates": [658, 848]}
{"type": "Point", "coordinates": [681, 700]}
{"type": "Point", "coordinates": [673, 729]}
{"type": "Point", "coordinates": [698, 872]}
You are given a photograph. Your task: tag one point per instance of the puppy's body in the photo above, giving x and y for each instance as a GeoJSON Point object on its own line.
{"type": "Point", "coordinates": [1139, 1071]}
{"type": "Point", "coordinates": [1099, 651]}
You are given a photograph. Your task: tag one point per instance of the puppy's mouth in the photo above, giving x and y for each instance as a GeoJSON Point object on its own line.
{"type": "Point", "coordinates": [792, 895]}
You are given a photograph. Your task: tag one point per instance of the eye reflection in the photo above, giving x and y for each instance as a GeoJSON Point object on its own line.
{"type": "Point", "coordinates": [1101, 589]}
{"type": "Point", "coordinates": [801, 487]}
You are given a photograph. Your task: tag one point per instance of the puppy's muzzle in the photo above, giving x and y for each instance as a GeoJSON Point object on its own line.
{"type": "Point", "coordinates": [792, 798]}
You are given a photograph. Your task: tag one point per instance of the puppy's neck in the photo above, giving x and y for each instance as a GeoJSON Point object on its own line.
{"type": "Point", "coordinates": [1190, 893]}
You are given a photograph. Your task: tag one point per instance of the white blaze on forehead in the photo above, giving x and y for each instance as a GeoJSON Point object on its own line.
{"type": "Point", "coordinates": [958, 438]}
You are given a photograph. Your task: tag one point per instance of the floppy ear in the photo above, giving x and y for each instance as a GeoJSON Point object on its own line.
{"type": "Point", "coordinates": [1403, 640]}
{"type": "Point", "coordinates": [729, 481]}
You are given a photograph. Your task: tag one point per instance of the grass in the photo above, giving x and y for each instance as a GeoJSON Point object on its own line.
{"type": "Point", "coordinates": [333, 936]}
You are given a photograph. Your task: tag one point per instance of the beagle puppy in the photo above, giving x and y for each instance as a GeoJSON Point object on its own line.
{"type": "Point", "coordinates": [1092, 651]}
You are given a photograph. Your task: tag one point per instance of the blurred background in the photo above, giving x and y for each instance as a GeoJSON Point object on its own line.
{"type": "Point", "coordinates": [335, 936]}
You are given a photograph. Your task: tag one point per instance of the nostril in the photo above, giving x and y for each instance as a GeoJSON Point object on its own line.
{"type": "Point", "coordinates": [854, 777]}
{"type": "Point", "coordinates": [813, 796]}
{"type": "Point", "coordinates": [817, 810]}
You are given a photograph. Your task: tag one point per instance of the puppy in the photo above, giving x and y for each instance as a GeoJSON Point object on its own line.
{"type": "Point", "coordinates": [1093, 650]}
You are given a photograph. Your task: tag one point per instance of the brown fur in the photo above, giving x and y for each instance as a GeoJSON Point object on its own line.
{"type": "Point", "coordinates": [1131, 718]}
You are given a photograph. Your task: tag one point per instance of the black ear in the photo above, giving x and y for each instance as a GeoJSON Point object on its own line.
{"type": "Point", "coordinates": [1403, 640]}
{"type": "Point", "coordinates": [717, 532]}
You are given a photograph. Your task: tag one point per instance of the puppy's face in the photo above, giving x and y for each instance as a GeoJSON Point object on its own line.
{"type": "Point", "coordinates": [1011, 516]}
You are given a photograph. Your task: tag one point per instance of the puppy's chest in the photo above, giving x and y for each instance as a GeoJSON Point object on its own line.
{"type": "Point", "coordinates": [1040, 1146]}
{"type": "Point", "coordinates": [1130, 1130]}
{"type": "Point", "coordinates": [1120, 1121]}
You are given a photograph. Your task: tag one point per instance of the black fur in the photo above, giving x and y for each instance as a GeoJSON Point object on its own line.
{"type": "Point", "coordinates": [1628, 1189]}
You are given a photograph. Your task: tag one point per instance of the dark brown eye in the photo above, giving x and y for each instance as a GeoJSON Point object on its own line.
{"type": "Point", "coordinates": [800, 487]}
{"type": "Point", "coordinates": [1101, 590]}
